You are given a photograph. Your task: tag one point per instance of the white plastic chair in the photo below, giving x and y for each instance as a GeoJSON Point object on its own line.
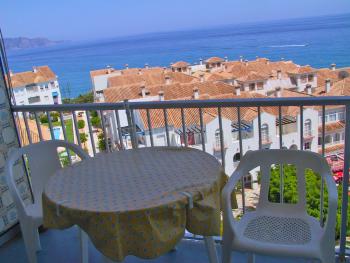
{"type": "Point", "coordinates": [43, 161]}
{"type": "Point", "coordinates": [280, 229]}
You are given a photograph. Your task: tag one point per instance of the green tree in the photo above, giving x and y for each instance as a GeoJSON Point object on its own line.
{"type": "Point", "coordinates": [96, 122]}
{"type": "Point", "coordinates": [313, 193]}
{"type": "Point", "coordinates": [83, 137]}
{"type": "Point", "coordinates": [82, 98]}
{"type": "Point", "coordinates": [101, 142]}
{"type": "Point", "coordinates": [81, 124]}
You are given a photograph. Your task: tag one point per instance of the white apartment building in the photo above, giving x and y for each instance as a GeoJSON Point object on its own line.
{"type": "Point", "coordinates": [36, 87]}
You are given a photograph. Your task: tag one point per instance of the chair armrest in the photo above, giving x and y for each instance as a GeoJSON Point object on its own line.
{"type": "Point", "coordinates": [79, 151]}
{"type": "Point", "coordinates": [226, 196]}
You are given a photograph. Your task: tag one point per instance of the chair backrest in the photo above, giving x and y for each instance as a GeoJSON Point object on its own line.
{"type": "Point", "coordinates": [42, 161]}
{"type": "Point", "coordinates": [301, 159]}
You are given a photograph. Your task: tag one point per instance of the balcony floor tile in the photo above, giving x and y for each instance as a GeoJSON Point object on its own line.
{"type": "Point", "coordinates": [63, 246]}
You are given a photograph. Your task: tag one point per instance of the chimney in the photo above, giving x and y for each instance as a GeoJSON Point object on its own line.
{"type": "Point", "coordinates": [11, 73]}
{"type": "Point", "coordinates": [267, 61]}
{"type": "Point", "coordinates": [143, 91]}
{"type": "Point", "coordinates": [241, 58]}
{"type": "Point", "coordinates": [328, 85]}
{"type": "Point", "coordinates": [308, 89]}
{"type": "Point", "coordinates": [161, 95]}
{"type": "Point", "coordinates": [333, 66]}
{"type": "Point", "coordinates": [226, 59]}
{"type": "Point", "coordinates": [195, 93]}
{"type": "Point", "coordinates": [201, 77]}
{"type": "Point", "coordinates": [237, 90]}
{"type": "Point", "coordinates": [279, 74]}
{"type": "Point", "coordinates": [200, 61]}
{"type": "Point", "coordinates": [167, 80]}
{"type": "Point", "coordinates": [278, 92]}
{"type": "Point", "coordinates": [246, 62]}
{"type": "Point", "coordinates": [140, 71]}
{"type": "Point", "coordinates": [146, 66]}
{"type": "Point", "coordinates": [126, 66]}
{"type": "Point", "coordinates": [35, 70]}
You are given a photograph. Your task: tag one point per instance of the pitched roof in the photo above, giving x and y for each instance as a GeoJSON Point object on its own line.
{"type": "Point", "coordinates": [38, 75]}
{"type": "Point", "coordinates": [129, 71]}
{"type": "Point", "coordinates": [149, 79]}
{"type": "Point", "coordinates": [180, 64]}
{"type": "Point", "coordinates": [171, 91]}
{"type": "Point", "coordinates": [252, 76]}
{"type": "Point", "coordinates": [333, 126]}
{"type": "Point", "coordinates": [214, 60]}
{"type": "Point", "coordinates": [340, 88]}
{"type": "Point", "coordinates": [302, 70]}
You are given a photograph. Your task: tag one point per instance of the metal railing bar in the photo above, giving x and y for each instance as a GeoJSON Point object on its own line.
{"type": "Point", "coordinates": [245, 102]}
{"type": "Point", "coordinates": [50, 125]}
{"type": "Point", "coordinates": [301, 128]}
{"type": "Point", "coordinates": [345, 184]}
{"type": "Point", "coordinates": [202, 128]}
{"type": "Point", "coordinates": [165, 113]}
{"type": "Point", "coordinates": [120, 135]}
{"type": "Point", "coordinates": [29, 136]}
{"type": "Point", "coordinates": [38, 126]}
{"type": "Point", "coordinates": [134, 128]}
{"type": "Point", "coordinates": [221, 139]}
{"type": "Point", "coordinates": [259, 128]}
{"type": "Point", "coordinates": [184, 134]}
{"type": "Point", "coordinates": [104, 130]}
{"type": "Point", "coordinates": [241, 154]}
{"type": "Point", "coordinates": [91, 133]}
{"type": "Point", "coordinates": [150, 127]}
{"type": "Point", "coordinates": [76, 128]}
{"type": "Point", "coordinates": [64, 130]}
{"type": "Point", "coordinates": [323, 154]}
{"type": "Point", "coordinates": [280, 128]}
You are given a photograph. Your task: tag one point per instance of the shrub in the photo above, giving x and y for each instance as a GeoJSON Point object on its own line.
{"type": "Point", "coordinates": [101, 142]}
{"type": "Point", "coordinates": [81, 124]}
{"type": "Point", "coordinates": [83, 137]}
{"type": "Point", "coordinates": [96, 122]}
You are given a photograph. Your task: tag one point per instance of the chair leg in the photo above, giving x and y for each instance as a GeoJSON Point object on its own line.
{"type": "Point", "coordinates": [251, 258]}
{"type": "Point", "coordinates": [210, 244]}
{"type": "Point", "coordinates": [37, 239]}
{"type": "Point", "coordinates": [227, 248]}
{"type": "Point", "coordinates": [84, 246]}
{"type": "Point", "coordinates": [30, 242]}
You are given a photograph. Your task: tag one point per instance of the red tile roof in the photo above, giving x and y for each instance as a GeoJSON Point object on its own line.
{"type": "Point", "coordinates": [39, 75]}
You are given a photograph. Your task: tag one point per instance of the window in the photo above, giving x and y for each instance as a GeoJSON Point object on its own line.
{"type": "Point", "coordinates": [337, 137]}
{"type": "Point", "coordinates": [307, 128]}
{"type": "Point", "coordinates": [264, 132]}
{"type": "Point", "coordinates": [46, 97]}
{"type": "Point", "coordinates": [328, 139]}
{"type": "Point", "coordinates": [251, 86]}
{"type": "Point", "coordinates": [341, 116]}
{"type": "Point", "coordinates": [307, 146]}
{"type": "Point", "coordinates": [236, 157]}
{"type": "Point", "coordinates": [310, 78]}
{"type": "Point", "coordinates": [217, 139]}
{"type": "Point", "coordinates": [34, 99]}
{"type": "Point", "coordinates": [260, 85]}
{"type": "Point", "coordinates": [332, 116]}
{"type": "Point", "coordinates": [303, 79]}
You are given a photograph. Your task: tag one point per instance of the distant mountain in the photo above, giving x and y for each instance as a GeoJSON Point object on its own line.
{"type": "Point", "coordinates": [24, 42]}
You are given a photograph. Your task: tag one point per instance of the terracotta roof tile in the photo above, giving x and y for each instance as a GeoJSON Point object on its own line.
{"type": "Point", "coordinates": [41, 74]}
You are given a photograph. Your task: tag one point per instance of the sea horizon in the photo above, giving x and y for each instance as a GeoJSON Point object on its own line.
{"type": "Point", "coordinates": [317, 41]}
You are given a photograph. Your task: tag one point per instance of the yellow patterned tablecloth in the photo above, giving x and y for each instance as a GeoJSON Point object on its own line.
{"type": "Point", "coordinates": [135, 202]}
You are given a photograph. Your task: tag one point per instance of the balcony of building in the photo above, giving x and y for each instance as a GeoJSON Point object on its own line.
{"type": "Point", "coordinates": [99, 138]}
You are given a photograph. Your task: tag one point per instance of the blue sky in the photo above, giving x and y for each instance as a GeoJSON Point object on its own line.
{"type": "Point", "coordinates": [94, 19]}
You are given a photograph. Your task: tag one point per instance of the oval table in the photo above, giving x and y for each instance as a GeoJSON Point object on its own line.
{"type": "Point", "coordinates": [138, 202]}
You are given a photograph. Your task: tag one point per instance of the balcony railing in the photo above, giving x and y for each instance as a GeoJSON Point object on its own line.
{"type": "Point", "coordinates": [131, 132]}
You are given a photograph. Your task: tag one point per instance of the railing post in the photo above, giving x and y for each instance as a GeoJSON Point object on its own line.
{"type": "Point", "coordinates": [344, 207]}
{"type": "Point", "coordinates": [130, 124]}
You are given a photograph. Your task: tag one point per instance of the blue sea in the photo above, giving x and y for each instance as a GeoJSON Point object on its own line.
{"type": "Point", "coordinates": [317, 41]}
